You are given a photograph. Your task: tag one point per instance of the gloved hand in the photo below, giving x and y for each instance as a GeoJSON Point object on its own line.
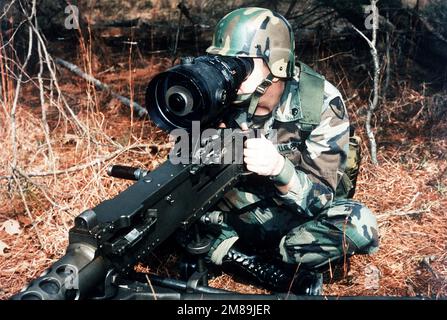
{"type": "Point", "coordinates": [262, 157]}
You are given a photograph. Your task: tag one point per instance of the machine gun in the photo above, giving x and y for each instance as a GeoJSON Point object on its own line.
{"type": "Point", "coordinates": [107, 241]}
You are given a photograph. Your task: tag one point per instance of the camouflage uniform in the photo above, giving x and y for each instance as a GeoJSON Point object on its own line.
{"type": "Point", "coordinates": [308, 224]}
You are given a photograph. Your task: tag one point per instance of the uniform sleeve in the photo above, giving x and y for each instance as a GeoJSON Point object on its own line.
{"type": "Point", "coordinates": [321, 163]}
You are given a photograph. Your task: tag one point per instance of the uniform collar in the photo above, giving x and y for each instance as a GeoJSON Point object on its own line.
{"type": "Point", "coordinates": [289, 107]}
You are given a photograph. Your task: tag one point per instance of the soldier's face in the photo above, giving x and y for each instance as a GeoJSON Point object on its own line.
{"type": "Point", "coordinates": [270, 99]}
{"type": "Point", "coordinates": [260, 72]}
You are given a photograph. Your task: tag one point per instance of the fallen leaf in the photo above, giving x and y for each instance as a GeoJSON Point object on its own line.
{"type": "Point", "coordinates": [11, 227]}
{"type": "Point", "coordinates": [70, 139]}
{"type": "Point", "coordinates": [3, 246]}
{"type": "Point", "coordinates": [24, 220]}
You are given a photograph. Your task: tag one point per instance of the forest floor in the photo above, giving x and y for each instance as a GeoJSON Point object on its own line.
{"type": "Point", "coordinates": [407, 190]}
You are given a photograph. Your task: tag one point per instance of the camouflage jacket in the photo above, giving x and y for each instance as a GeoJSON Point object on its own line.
{"type": "Point", "coordinates": [319, 161]}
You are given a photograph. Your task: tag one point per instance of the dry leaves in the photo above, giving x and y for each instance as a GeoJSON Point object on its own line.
{"type": "Point", "coordinates": [3, 247]}
{"type": "Point", "coordinates": [11, 227]}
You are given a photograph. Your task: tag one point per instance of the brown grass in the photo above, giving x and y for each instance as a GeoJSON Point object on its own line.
{"type": "Point", "coordinates": [407, 190]}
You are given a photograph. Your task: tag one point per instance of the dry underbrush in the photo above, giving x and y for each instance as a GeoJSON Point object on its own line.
{"type": "Point", "coordinates": [407, 190]}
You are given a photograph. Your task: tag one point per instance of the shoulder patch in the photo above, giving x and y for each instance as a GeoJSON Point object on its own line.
{"type": "Point", "coordinates": [337, 107]}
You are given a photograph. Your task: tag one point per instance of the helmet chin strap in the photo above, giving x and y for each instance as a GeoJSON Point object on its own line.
{"type": "Point", "coordinates": [260, 90]}
{"type": "Point", "coordinates": [245, 115]}
{"type": "Point", "coordinates": [242, 100]}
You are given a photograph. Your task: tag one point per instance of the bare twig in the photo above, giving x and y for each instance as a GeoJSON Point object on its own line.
{"type": "Point", "coordinates": [51, 69]}
{"type": "Point", "coordinates": [388, 61]}
{"type": "Point", "coordinates": [177, 34]}
{"type": "Point", "coordinates": [150, 285]}
{"type": "Point", "coordinates": [91, 163]}
{"type": "Point", "coordinates": [375, 57]}
{"type": "Point", "coordinates": [6, 9]}
{"type": "Point", "coordinates": [318, 18]}
{"type": "Point", "coordinates": [76, 70]}
{"type": "Point", "coordinates": [290, 9]}
{"type": "Point", "coordinates": [28, 212]}
{"type": "Point", "coordinates": [53, 203]}
{"type": "Point", "coordinates": [4, 79]}
{"type": "Point", "coordinates": [184, 9]}
{"type": "Point", "coordinates": [432, 29]}
{"type": "Point", "coordinates": [398, 213]}
{"type": "Point", "coordinates": [347, 53]}
{"type": "Point", "coordinates": [16, 99]}
{"type": "Point", "coordinates": [426, 263]}
{"type": "Point", "coordinates": [46, 128]}
{"type": "Point", "coordinates": [307, 13]}
{"type": "Point", "coordinates": [405, 210]}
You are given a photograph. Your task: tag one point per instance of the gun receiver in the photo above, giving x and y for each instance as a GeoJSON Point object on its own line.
{"type": "Point", "coordinates": [118, 232]}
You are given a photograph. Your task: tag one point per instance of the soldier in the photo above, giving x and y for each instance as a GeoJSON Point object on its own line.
{"type": "Point", "coordinates": [289, 204]}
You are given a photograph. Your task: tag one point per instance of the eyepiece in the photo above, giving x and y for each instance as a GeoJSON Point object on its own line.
{"type": "Point", "coordinates": [248, 65]}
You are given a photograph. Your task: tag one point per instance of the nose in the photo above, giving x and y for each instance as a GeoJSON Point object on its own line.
{"type": "Point", "coordinates": [243, 87]}
{"type": "Point", "coordinates": [255, 78]}
{"type": "Point", "coordinates": [250, 84]}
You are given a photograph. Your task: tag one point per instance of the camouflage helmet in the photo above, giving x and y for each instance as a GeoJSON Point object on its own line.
{"type": "Point", "coordinates": [257, 32]}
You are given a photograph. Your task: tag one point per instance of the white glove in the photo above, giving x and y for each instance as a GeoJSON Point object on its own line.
{"type": "Point", "coordinates": [262, 157]}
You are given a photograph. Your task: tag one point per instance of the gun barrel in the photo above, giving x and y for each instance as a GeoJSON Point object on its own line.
{"type": "Point", "coordinates": [71, 277]}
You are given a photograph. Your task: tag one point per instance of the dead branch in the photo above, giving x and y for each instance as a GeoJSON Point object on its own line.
{"type": "Point", "coordinates": [142, 112]}
{"type": "Point", "coordinates": [290, 8]}
{"type": "Point", "coordinates": [46, 128]}
{"type": "Point", "coordinates": [89, 164]}
{"type": "Point", "coordinates": [375, 58]}
{"type": "Point", "coordinates": [41, 188]}
{"type": "Point", "coordinates": [426, 263]}
{"type": "Point", "coordinates": [49, 65]}
{"type": "Point", "coordinates": [388, 62]}
{"type": "Point", "coordinates": [185, 11]}
{"type": "Point", "coordinates": [398, 213]}
{"type": "Point", "coordinates": [431, 29]}
{"type": "Point", "coordinates": [16, 99]}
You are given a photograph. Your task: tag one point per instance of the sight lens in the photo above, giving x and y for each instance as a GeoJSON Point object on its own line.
{"type": "Point", "coordinates": [199, 89]}
{"type": "Point", "coordinates": [177, 103]}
